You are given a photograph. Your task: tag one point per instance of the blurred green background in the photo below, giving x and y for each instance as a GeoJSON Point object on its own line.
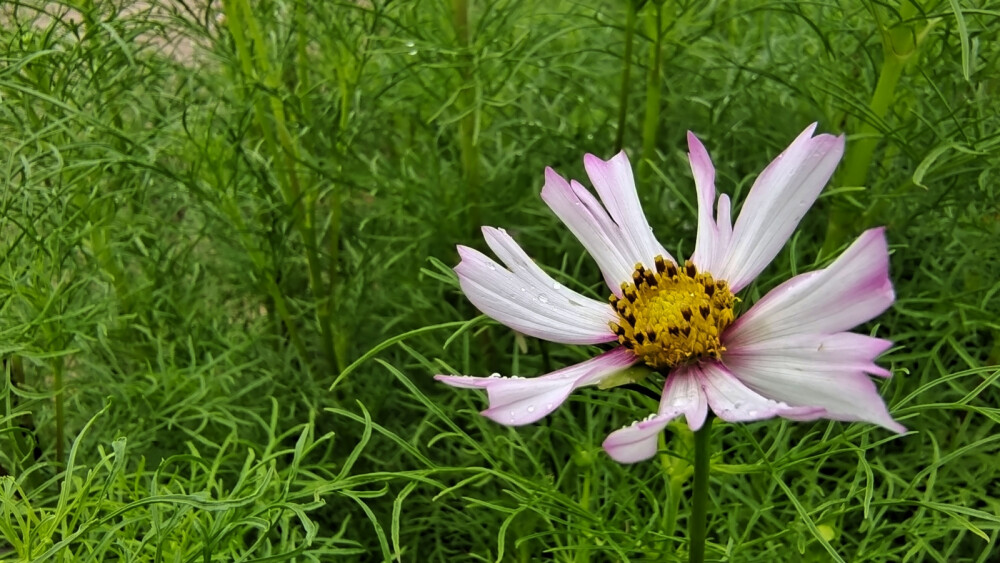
{"type": "Point", "coordinates": [213, 212]}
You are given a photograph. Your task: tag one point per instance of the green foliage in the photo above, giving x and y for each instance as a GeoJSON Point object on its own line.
{"type": "Point", "coordinates": [212, 214]}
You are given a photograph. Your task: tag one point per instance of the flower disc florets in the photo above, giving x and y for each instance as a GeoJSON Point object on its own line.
{"type": "Point", "coordinates": [672, 315]}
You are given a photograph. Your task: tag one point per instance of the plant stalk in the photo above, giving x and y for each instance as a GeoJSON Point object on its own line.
{"type": "Point", "coordinates": [468, 148]}
{"type": "Point", "coordinates": [899, 44]}
{"type": "Point", "coordinates": [626, 74]}
{"type": "Point", "coordinates": [651, 121]}
{"type": "Point", "coordinates": [57, 383]}
{"type": "Point", "coordinates": [699, 496]}
{"type": "Point", "coordinates": [859, 154]}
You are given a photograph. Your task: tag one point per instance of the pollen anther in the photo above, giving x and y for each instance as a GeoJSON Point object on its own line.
{"type": "Point", "coordinates": [670, 316]}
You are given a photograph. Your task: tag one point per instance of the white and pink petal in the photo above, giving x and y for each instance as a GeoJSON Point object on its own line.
{"type": "Point", "coordinates": [682, 395]}
{"type": "Point", "coordinates": [854, 289]}
{"type": "Point", "coordinates": [847, 351]}
{"type": "Point", "coordinates": [527, 299]}
{"type": "Point", "coordinates": [515, 401]}
{"type": "Point", "coordinates": [713, 231]}
{"type": "Point", "coordinates": [590, 223]}
{"type": "Point", "coordinates": [797, 380]}
{"type": "Point", "coordinates": [733, 401]}
{"type": "Point", "coordinates": [776, 203]}
{"type": "Point", "coordinates": [615, 185]}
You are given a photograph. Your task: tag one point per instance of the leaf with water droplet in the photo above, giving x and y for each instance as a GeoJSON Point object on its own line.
{"type": "Point", "coordinates": [634, 374]}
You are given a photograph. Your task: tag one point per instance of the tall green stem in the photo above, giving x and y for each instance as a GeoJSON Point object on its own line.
{"type": "Point", "coordinates": [859, 154]}
{"type": "Point", "coordinates": [651, 121]}
{"type": "Point", "coordinates": [254, 59]}
{"type": "Point", "coordinates": [899, 44]}
{"type": "Point", "coordinates": [699, 496]}
{"type": "Point", "coordinates": [626, 74]}
{"type": "Point", "coordinates": [469, 150]}
{"type": "Point", "coordinates": [678, 471]}
{"type": "Point", "coordinates": [57, 383]}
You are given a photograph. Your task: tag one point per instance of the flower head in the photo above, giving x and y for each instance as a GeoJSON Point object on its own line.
{"type": "Point", "coordinates": [789, 355]}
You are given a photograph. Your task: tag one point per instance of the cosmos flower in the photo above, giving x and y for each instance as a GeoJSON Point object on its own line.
{"type": "Point", "coordinates": [789, 355]}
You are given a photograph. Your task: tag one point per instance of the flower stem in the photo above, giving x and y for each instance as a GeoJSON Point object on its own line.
{"type": "Point", "coordinates": [859, 154]}
{"type": "Point", "coordinates": [900, 43]}
{"type": "Point", "coordinates": [467, 126]}
{"type": "Point", "coordinates": [57, 383]}
{"type": "Point", "coordinates": [651, 121]}
{"type": "Point", "coordinates": [699, 496]}
{"type": "Point", "coordinates": [626, 74]}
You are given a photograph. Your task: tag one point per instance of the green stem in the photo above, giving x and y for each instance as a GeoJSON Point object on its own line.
{"type": "Point", "coordinates": [899, 44]}
{"type": "Point", "coordinates": [651, 120]}
{"type": "Point", "coordinates": [859, 154]}
{"type": "Point", "coordinates": [678, 475]}
{"type": "Point", "coordinates": [583, 555]}
{"type": "Point", "coordinates": [699, 495]}
{"type": "Point", "coordinates": [57, 383]}
{"type": "Point", "coordinates": [626, 74]}
{"type": "Point", "coordinates": [468, 149]}
{"type": "Point", "coordinates": [255, 62]}
{"type": "Point", "coordinates": [859, 157]}
{"type": "Point", "coordinates": [673, 508]}
{"type": "Point", "coordinates": [333, 271]}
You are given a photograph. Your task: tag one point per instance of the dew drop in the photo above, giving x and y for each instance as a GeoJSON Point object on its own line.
{"type": "Point", "coordinates": [495, 375]}
{"type": "Point", "coordinates": [531, 408]}
{"type": "Point", "coordinates": [491, 265]}
{"type": "Point", "coordinates": [555, 285]}
{"type": "Point", "coordinates": [543, 299]}
{"type": "Point", "coordinates": [752, 412]}
{"type": "Point", "coordinates": [549, 406]}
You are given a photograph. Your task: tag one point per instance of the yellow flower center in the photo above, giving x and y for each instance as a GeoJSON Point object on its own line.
{"type": "Point", "coordinates": [672, 315]}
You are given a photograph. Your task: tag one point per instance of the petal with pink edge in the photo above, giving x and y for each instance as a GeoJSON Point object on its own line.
{"type": "Point", "coordinates": [516, 401]}
{"type": "Point", "coordinates": [589, 222]}
{"type": "Point", "coordinates": [614, 183]}
{"type": "Point", "coordinates": [846, 351]}
{"type": "Point", "coordinates": [855, 288]}
{"type": "Point", "coordinates": [682, 394]}
{"type": "Point", "coordinates": [734, 402]}
{"type": "Point", "coordinates": [712, 239]}
{"type": "Point", "coordinates": [637, 442]}
{"type": "Point", "coordinates": [528, 300]}
{"type": "Point", "coordinates": [845, 394]}
{"type": "Point", "coordinates": [777, 201]}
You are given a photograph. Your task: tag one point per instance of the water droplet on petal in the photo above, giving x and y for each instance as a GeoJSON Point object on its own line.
{"type": "Point", "coordinates": [531, 408]}
{"type": "Point", "coordinates": [495, 375]}
{"type": "Point", "coordinates": [543, 299]}
{"type": "Point", "coordinates": [752, 412]}
{"type": "Point", "coordinates": [548, 406]}
{"type": "Point", "coordinates": [491, 265]}
{"type": "Point", "coordinates": [555, 285]}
